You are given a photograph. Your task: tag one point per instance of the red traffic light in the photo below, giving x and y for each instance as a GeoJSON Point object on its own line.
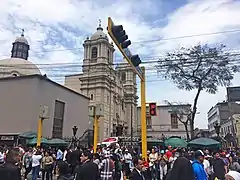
{"type": "Point", "coordinates": [152, 109]}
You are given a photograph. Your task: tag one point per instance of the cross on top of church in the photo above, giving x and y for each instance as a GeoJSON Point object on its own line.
{"type": "Point", "coordinates": [22, 33]}
{"type": "Point", "coordinates": [100, 25]}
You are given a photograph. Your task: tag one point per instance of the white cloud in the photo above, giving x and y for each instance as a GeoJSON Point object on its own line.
{"type": "Point", "coordinates": [199, 17]}
{"type": "Point", "coordinates": [55, 24]}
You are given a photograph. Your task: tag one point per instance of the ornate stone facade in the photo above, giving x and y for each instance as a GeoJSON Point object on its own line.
{"type": "Point", "coordinates": [114, 87]}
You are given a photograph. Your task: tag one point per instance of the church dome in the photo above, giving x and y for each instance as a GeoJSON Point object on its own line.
{"type": "Point", "coordinates": [99, 34]}
{"type": "Point", "coordinates": [21, 39]}
{"type": "Point", "coordinates": [17, 67]}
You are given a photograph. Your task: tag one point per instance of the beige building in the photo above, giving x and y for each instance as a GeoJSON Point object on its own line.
{"type": "Point", "coordinates": [24, 90]}
{"type": "Point", "coordinates": [165, 124]}
{"type": "Point", "coordinates": [22, 96]}
{"type": "Point", "coordinates": [102, 82]}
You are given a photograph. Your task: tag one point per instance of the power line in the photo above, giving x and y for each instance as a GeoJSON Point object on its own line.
{"type": "Point", "coordinates": [73, 84]}
{"type": "Point", "coordinates": [146, 41]}
{"type": "Point", "coordinates": [189, 36]}
{"type": "Point", "coordinates": [160, 59]}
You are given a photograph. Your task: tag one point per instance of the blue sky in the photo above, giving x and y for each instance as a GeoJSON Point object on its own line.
{"type": "Point", "coordinates": [56, 30]}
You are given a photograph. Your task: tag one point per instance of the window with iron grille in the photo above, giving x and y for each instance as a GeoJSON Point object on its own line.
{"type": "Point", "coordinates": [174, 121]}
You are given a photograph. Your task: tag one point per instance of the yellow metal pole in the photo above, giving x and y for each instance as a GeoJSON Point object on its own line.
{"type": "Point", "coordinates": [143, 116]}
{"type": "Point", "coordinates": [39, 134]}
{"type": "Point", "coordinates": [95, 139]}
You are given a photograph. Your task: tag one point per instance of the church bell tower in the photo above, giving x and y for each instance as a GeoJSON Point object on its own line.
{"type": "Point", "coordinates": [20, 48]}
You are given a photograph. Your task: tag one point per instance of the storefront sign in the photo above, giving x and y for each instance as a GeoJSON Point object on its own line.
{"type": "Point", "coordinates": [7, 138]}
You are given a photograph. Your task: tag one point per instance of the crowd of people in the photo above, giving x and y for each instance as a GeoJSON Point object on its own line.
{"type": "Point", "coordinates": [118, 163]}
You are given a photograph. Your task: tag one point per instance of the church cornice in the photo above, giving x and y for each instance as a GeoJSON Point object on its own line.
{"type": "Point", "coordinates": [97, 42]}
{"type": "Point", "coordinates": [96, 63]}
{"type": "Point", "coordinates": [104, 80]}
{"type": "Point", "coordinates": [98, 87]}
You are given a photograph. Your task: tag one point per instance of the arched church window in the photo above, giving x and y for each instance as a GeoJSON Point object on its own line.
{"type": "Point", "coordinates": [123, 76]}
{"type": "Point", "coordinates": [94, 52]}
{"type": "Point", "coordinates": [91, 97]}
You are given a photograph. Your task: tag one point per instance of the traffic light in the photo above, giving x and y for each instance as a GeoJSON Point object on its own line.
{"type": "Point", "coordinates": [152, 109]}
{"type": "Point", "coordinates": [135, 59]}
{"type": "Point", "coordinates": [121, 36]}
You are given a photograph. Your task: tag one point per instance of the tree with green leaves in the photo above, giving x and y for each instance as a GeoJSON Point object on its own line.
{"type": "Point", "coordinates": [200, 68]}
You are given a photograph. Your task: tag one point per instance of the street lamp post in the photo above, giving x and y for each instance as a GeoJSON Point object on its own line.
{"type": "Point", "coordinates": [74, 130]}
{"type": "Point", "coordinates": [217, 127]}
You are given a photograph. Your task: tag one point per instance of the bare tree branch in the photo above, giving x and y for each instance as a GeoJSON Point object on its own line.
{"type": "Point", "coordinates": [180, 113]}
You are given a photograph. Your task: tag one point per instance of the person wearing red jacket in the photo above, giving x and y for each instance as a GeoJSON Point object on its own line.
{"type": "Point", "coordinates": [169, 152]}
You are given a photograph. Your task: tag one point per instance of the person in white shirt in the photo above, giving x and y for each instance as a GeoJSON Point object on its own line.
{"type": "Point", "coordinates": [127, 159]}
{"type": "Point", "coordinates": [36, 164]}
{"type": "Point", "coordinates": [65, 154]}
{"type": "Point", "coordinates": [173, 159]}
{"type": "Point", "coordinates": [153, 157]}
{"type": "Point", "coordinates": [207, 165]}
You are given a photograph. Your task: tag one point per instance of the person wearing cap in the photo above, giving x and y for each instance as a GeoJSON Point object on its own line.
{"type": "Point", "coordinates": [232, 175]}
{"type": "Point", "coordinates": [127, 160]}
{"type": "Point", "coordinates": [198, 167]}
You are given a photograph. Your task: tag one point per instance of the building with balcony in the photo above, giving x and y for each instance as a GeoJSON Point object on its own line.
{"type": "Point", "coordinates": [222, 113]}
{"type": "Point", "coordinates": [165, 123]}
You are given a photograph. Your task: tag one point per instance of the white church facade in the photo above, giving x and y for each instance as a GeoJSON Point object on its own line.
{"type": "Point", "coordinates": [112, 86]}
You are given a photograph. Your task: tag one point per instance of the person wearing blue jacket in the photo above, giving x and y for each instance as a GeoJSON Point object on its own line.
{"type": "Point", "coordinates": [198, 168]}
